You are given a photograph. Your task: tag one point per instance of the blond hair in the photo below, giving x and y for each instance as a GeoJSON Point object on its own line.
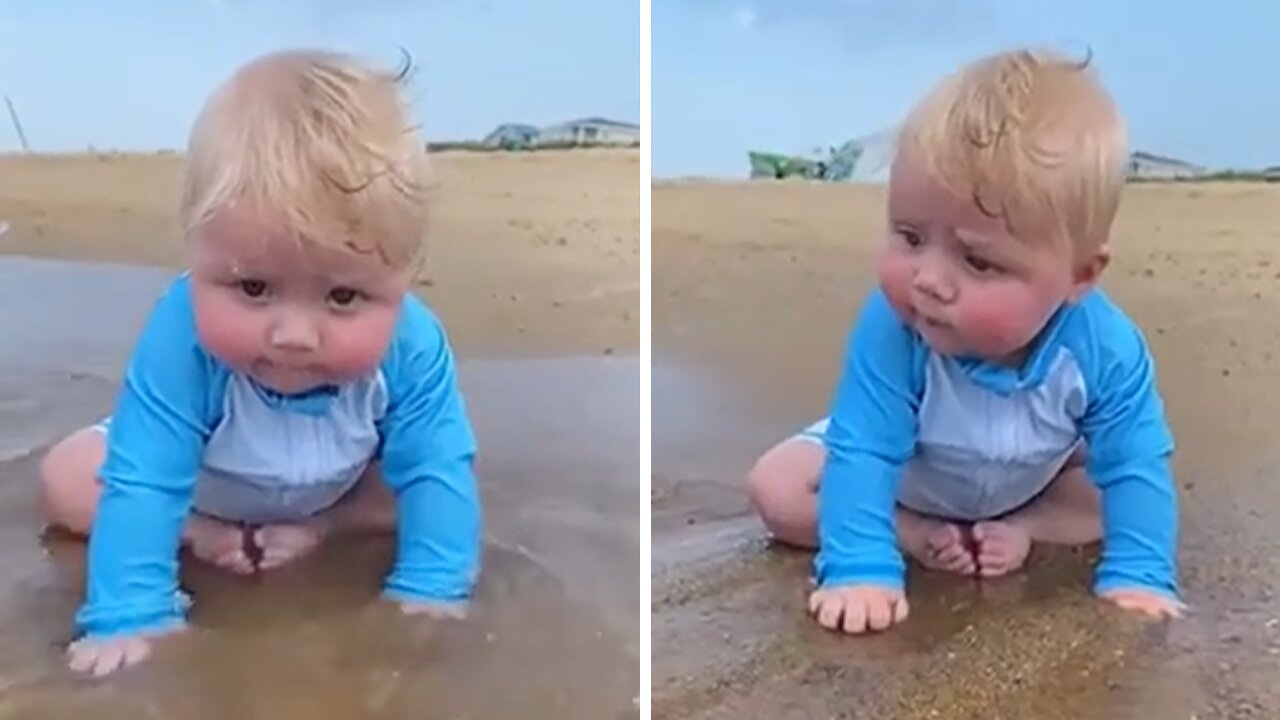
{"type": "Point", "coordinates": [320, 141]}
{"type": "Point", "coordinates": [1033, 138]}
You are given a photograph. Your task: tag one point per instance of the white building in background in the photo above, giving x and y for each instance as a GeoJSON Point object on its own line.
{"type": "Point", "coordinates": [590, 131]}
{"type": "Point", "coordinates": [1147, 166]}
{"type": "Point", "coordinates": [587, 132]}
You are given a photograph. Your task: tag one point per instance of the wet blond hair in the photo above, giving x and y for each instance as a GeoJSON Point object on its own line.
{"type": "Point", "coordinates": [1033, 138]}
{"type": "Point", "coordinates": [320, 141]}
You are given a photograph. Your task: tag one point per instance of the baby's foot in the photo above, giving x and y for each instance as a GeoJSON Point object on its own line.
{"type": "Point", "coordinates": [1002, 547]}
{"type": "Point", "coordinates": [936, 545]}
{"type": "Point", "coordinates": [284, 543]}
{"type": "Point", "coordinates": [217, 542]}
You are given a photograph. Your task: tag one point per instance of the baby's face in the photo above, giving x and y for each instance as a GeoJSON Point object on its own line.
{"type": "Point", "coordinates": [294, 316]}
{"type": "Point", "coordinates": [961, 279]}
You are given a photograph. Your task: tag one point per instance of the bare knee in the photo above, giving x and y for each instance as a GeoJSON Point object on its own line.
{"type": "Point", "coordinates": [782, 487]}
{"type": "Point", "coordinates": [69, 480]}
{"type": "Point", "coordinates": [766, 480]}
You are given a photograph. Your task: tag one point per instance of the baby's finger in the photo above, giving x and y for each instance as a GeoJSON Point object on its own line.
{"type": "Point", "coordinates": [900, 610]}
{"type": "Point", "coordinates": [109, 658]}
{"type": "Point", "coordinates": [829, 612]}
{"type": "Point", "coordinates": [855, 617]}
{"type": "Point", "coordinates": [1161, 611]}
{"type": "Point", "coordinates": [1153, 609]}
{"type": "Point", "coordinates": [82, 656]}
{"type": "Point", "coordinates": [436, 611]}
{"type": "Point", "coordinates": [1127, 603]}
{"type": "Point", "coordinates": [815, 600]}
{"type": "Point", "coordinates": [879, 614]}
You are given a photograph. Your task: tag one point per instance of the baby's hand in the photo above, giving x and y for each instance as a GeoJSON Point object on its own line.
{"type": "Point", "coordinates": [102, 656]}
{"type": "Point", "coordinates": [1147, 603]}
{"type": "Point", "coordinates": [435, 610]}
{"type": "Point", "coordinates": [858, 608]}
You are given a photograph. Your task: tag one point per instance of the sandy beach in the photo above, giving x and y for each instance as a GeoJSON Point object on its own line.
{"type": "Point", "coordinates": [534, 268]}
{"type": "Point", "coordinates": [529, 254]}
{"type": "Point", "coordinates": [755, 285]}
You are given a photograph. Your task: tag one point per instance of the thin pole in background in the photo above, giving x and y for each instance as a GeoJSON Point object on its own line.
{"type": "Point", "coordinates": [17, 125]}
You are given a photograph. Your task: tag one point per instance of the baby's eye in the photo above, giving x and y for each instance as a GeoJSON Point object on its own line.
{"type": "Point", "coordinates": [910, 237]}
{"type": "Point", "coordinates": [252, 288]}
{"type": "Point", "coordinates": [980, 265]}
{"type": "Point", "coordinates": [343, 297]}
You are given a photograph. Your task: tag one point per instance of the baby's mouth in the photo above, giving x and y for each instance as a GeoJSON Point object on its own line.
{"type": "Point", "coordinates": [932, 323]}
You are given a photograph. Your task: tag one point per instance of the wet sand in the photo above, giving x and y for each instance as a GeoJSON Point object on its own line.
{"type": "Point", "coordinates": [555, 628]}
{"type": "Point", "coordinates": [754, 289]}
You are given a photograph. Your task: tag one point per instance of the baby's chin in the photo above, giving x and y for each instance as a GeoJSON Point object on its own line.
{"type": "Point", "coordinates": [939, 339]}
{"type": "Point", "coordinates": [295, 380]}
{"type": "Point", "coordinates": [290, 382]}
{"type": "Point", "coordinates": [290, 385]}
{"type": "Point", "coordinates": [945, 343]}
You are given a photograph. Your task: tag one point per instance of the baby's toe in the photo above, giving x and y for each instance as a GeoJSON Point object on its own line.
{"type": "Point", "coordinates": [234, 560]}
{"type": "Point", "coordinates": [1002, 548]}
{"type": "Point", "coordinates": [956, 559]}
{"type": "Point", "coordinates": [944, 537]}
{"type": "Point", "coordinates": [282, 544]}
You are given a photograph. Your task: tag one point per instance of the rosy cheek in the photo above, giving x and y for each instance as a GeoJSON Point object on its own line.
{"type": "Point", "coordinates": [1000, 322]}
{"type": "Point", "coordinates": [227, 330]}
{"type": "Point", "coordinates": [357, 345]}
{"type": "Point", "coordinates": [894, 273]}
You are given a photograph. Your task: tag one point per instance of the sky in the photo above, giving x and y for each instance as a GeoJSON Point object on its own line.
{"type": "Point", "coordinates": [132, 74]}
{"type": "Point", "coordinates": [1196, 80]}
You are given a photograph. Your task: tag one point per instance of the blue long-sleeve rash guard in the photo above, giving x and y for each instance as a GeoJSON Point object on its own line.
{"type": "Point", "coordinates": [171, 400]}
{"type": "Point", "coordinates": [874, 428]}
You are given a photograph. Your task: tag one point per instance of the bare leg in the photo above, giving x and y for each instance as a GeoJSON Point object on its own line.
{"type": "Point", "coordinates": [783, 487]}
{"type": "Point", "coordinates": [70, 490]}
{"type": "Point", "coordinates": [369, 506]}
{"type": "Point", "coordinates": [1068, 512]}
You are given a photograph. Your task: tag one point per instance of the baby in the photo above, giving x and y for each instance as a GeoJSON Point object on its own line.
{"type": "Point", "coordinates": [288, 384]}
{"type": "Point", "coordinates": [992, 396]}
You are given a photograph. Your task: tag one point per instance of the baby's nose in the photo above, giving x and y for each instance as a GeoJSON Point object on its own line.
{"type": "Point", "coordinates": [295, 333]}
{"type": "Point", "coordinates": [933, 277]}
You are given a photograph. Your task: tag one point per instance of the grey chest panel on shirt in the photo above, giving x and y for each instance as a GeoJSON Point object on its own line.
{"type": "Point", "coordinates": [261, 443]}
{"type": "Point", "coordinates": [980, 453]}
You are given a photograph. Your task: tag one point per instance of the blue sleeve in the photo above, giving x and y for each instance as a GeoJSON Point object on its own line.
{"type": "Point", "coordinates": [153, 449]}
{"type": "Point", "coordinates": [427, 454]}
{"type": "Point", "coordinates": [1129, 446]}
{"type": "Point", "coordinates": [872, 434]}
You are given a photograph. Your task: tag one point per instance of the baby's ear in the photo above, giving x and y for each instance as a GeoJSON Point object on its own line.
{"type": "Point", "coordinates": [1089, 270]}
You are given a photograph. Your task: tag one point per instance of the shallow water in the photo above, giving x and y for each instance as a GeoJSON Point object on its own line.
{"type": "Point", "coordinates": [554, 630]}
{"type": "Point", "coordinates": [731, 637]}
